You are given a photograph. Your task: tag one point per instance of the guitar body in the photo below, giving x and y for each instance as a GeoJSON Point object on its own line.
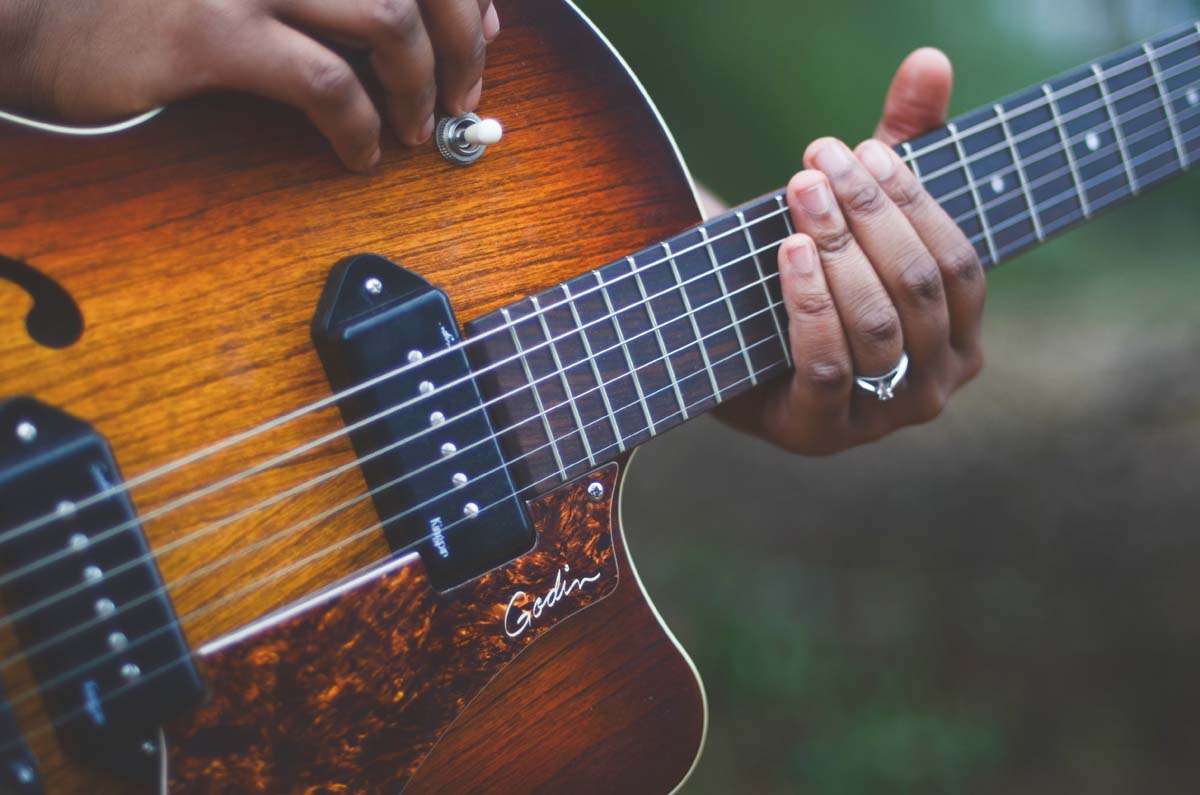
{"type": "Point", "coordinates": [196, 247]}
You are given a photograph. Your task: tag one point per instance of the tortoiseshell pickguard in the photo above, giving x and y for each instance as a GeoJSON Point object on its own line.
{"type": "Point", "coordinates": [352, 693]}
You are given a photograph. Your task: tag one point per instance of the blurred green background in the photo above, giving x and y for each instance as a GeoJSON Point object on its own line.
{"type": "Point", "coordinates": [1007, 600]}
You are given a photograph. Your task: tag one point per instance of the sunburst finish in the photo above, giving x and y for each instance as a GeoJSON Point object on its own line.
{"type": "Point", "coordinates": [196, 247]}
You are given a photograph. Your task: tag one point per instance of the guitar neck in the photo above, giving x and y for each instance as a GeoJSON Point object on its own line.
{"type": "Point", "coordinates": [600, 364]}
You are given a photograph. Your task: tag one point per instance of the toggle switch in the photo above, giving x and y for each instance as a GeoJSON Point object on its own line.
{"type": "Point", "coordinates": [486, 132]}
{"type": "Point", "coordinates": [464, 139]}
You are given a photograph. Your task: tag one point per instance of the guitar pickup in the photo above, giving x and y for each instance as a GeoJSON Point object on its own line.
{"type": "Point", "coordinates": [18, 769]}
{"type": "Point", "coordinates": [84, 594]}
{"type": "Point", "coordinates": [418, 422]}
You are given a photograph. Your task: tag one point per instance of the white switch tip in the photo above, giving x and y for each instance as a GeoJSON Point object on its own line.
{"type": "Point", "coordinates": [484, 133]}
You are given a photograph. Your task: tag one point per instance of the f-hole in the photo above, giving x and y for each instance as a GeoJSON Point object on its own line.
{"type": "Point", "coordinates": [55, 320]}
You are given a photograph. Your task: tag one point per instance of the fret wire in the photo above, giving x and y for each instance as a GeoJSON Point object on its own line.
{"type": "Point", "coordinates": [1166, 98]}
{"type": "Point", "coordinates": [787, 217]}
{"type": "Point", "coordinates": [587, 347]}
{"type": "Point", "coordinates": [537, 397]}
{"type": "Point", "coordinates": [753, 377]}
{"type": "Point", "coordinates": [983, 221]}
{"type": "Point", "coordinates": [687, 303]}
{"type": "Point", "coordinates": [737, 325]}
{"type": "Point", "coordinates": [562, 376]}
{"type": "Point", "coordinates": [741, 216]}
{"type": "Point", "coordinates": [913, 165]}
{"type": "Point", "coordinates": [1020, 169]}
{"type": "Point", "coordinates": [1084, 204]}
{"type": "Point", "coordinates": [637, 277]}
{"type": "Point", "coordinates": [1120, 136]}
{"type": "Point", "coordinates": [637, 382]}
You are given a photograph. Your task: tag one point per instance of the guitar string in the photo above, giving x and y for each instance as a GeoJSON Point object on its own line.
{"type": "Point", "coordinates": [61, 719]}
{"type": "Point", "coordinates": [1044, 102]}
{"type": "Point", "coordinates": [297, 565]}
{"type": "Point", "coordinates": [250, 587]}
{"type": "Point", "coordinates": [241, 551]}
{"type": "Point", "coordinates": [573, 398]}
{"type": "Point", "coordinates": [85, 502]}
{"type": "Point", "coordinates": [247, 511]}
{"type": "Point", "coordinates": [213, 488]}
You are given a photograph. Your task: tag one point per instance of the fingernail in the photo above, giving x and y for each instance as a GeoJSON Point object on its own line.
{"type": "Point", "coordinates": [491, 24]}
{"type": "Point", "coordinates": [802, 257]}
{"type": "Point", "coordinates": [817, 199]}
{"type": "Point", "coordinates": [471, 100]}
{"type": "Point", "coordinates": [373, 160]}
{"type": "Point", "coordinates": [832, 158]}
{"type": "Point", "coordinates": [878, 160]}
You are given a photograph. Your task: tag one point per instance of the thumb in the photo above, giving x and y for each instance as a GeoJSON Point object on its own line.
{"type": "Point", "coordinates": [919, 97]}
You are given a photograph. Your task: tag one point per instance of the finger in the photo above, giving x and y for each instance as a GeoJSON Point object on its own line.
{"type": "Point", "coordinates": [283, 64]}
{"type": "Point", "coordinates": [918, 98]}
{"type": "Point", "coordinates": [899, 256]}
{"type": "Point", "coordinates": [456, 28]}
{"type": "Point", "coordinates": [871, 322]}
{"type": "Point", "coordinates": [401, 54]}
{"type": "Point", "coordinates": [961, 272]}
{"type": "Point", "coordinates": [815, 404]}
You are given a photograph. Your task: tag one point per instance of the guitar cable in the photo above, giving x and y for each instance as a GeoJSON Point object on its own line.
{"type": "Point", "coordinates": [82, 132]}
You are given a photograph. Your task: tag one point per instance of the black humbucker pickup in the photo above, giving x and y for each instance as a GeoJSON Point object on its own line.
{"type": "Point", "coordinates": [426, 446]}
{"type": "Point", "coordinates": [86, 598]}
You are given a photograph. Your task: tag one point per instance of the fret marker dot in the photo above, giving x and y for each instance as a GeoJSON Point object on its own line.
{"type": "Point", "coordinates": [997, 184]}
{"type": "Point", "coordinates": [92, 574]}
{"type": "Point", "coordinates": [470, 510]}
{"type": "Point", "coordinates": [105, 607]}
{"type": "Point", "coordinates": [130, 671]}
{"type": "Point", "coordinates": [117, 641]}
{"type": "Point", "coordinates": [449, 449]}
{"type": "Point", "coordinates": [65, 508]}
{"type": "Point", "coordinates": [425, 387]}
{"type": "Point", "coordinates": [459, 480]}
{"type": "Point", "coordinates": [1092, 142]}
{"type": "Point", "coordinates": [78, 541]}
{"type": "Point", "coordinates": [1193, 96]}
{"type": "Point", "coordinates": [415, 356]}
{"type": "Point", "coordinates": [437, 418]}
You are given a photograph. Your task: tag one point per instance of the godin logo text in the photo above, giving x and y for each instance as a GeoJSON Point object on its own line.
{"type": "Point", "coordinates": [519, 619]}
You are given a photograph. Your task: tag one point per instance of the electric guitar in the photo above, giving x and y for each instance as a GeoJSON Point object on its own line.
{"type": "Point", "coordinates": [310, 482]}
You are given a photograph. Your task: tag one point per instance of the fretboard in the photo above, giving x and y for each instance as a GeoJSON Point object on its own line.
{"type": "Point", "coordinates": [582, 372]}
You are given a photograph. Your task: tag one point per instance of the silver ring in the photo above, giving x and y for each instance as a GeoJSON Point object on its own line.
{"type": "Point", "coordinates": [884, 386]}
